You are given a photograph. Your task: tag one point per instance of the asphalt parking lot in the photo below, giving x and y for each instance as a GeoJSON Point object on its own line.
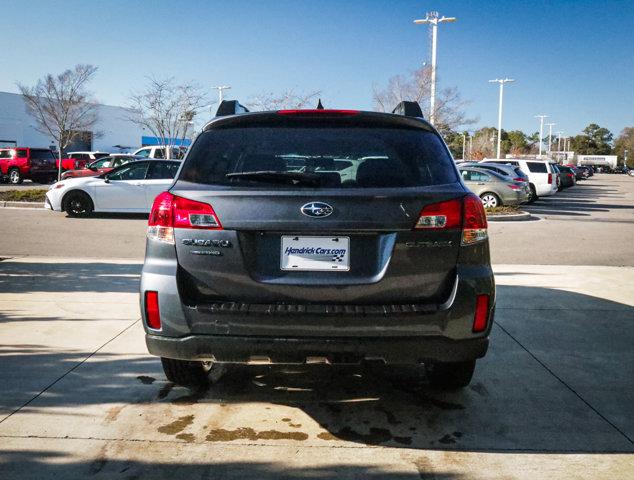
{"type": "Point", "coordinates": [553, 398]}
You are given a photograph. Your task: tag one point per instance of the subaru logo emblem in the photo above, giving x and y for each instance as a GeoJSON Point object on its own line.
{"type": "Point", "coordinates": [316, 209]}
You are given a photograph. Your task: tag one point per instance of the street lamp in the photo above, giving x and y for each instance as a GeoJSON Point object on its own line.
{"type": "Point", "coordinates": [541, 132]}
{"type": "Point", "coordinates": [550, 135]}
{"type": "Point", "coordinates": [501, 81]}
{"type": "Point", "coordinates": [432, 19]}
{"type": "Point", "coordinates": [220, 89]}
{"type": "Point", "coordinates": [559, 134]}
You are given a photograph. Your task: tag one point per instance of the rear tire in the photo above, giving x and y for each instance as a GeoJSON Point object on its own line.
{"type": "Point", "coordinates": [490, 200]}
{"type": "Point", "coordinates": [78, 204]}
{"type": "Point", "coordinates": [186, 373]}
{"type": "Point", "coordinates": [450, 376]}
{"type": "Point", "coordinates": [15, 177]}
{"type": "Point", "coordinates": [533, 195]}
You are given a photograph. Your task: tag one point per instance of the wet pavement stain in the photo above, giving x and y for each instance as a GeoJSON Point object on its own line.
{"type": "Point", "coordinates": [145, 380]}
{"type": "Point", "coordinates": [376, 436]}
{"type": "Point", "coordinates": [447, 439]}
{"type": "Point", "coordinates": [192, 398]}
{"type": "Point", "coordinates": [291, 424]}
{"type": "Point", "coordinates": [165, 391]}
{"type": "Point", "coordinates": [391, 419]}
{"type": "Point", "coordinates": [188, 437]}
{"type": "Point", "coordinates": [222, 435]}
{"type": "Point", "coordinates": [442, 404]}
{"type": "Point", "coordinates": [113, 413]}
{"type": "Point", "coordinates": [177, 426]}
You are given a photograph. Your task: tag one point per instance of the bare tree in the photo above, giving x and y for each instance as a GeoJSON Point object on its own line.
{"type": "Point", "coordinates": [416, 86]}
{"type": "Point", "coordinates": [167, 109]}
{"type": "Point", "coordinates": [286, 99]}
{"type": "Point", "coordinates": [61, 105]}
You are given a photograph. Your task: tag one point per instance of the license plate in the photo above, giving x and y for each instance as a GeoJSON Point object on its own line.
{"type": "Point", "coordinates": [315, 253]}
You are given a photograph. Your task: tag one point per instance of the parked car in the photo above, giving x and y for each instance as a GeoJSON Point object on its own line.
{"type": "Point", "coordinates": [101, 166]}
{"type": "Point", "coordinates": [130, 188]}
{"type": "Point", "coordinates": [568, 178]}
{"type": "Point", "coordinates": [588, 169]}
{"type": "Point", "coordinates": [510, 172]}
{"type": "Point", "coordinates": [161, 152]}
{"type": "Point", "coordinates": [253, 255]}
{"type": "Point", "coordinates": [21, 163]}
{"type": "Point", "coordinates": [557, 174]}
{"type": "Point", "coordinates": [88, 156]}
{"type": "Point", "coordinates": [541, 178]}
{"type": "Point", "coordinates": [493, 188]}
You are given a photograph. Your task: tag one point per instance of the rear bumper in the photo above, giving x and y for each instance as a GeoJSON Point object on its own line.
{"type": "Point", "coordinates": [240, 349]}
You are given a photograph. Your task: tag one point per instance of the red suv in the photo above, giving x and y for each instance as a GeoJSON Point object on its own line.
{"type": "Point", "coordinates": [18, 164]}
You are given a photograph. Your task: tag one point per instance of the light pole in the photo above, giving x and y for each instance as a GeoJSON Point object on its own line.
{"type": "Point", "coordinates": [541, 132]}
{"type": "Point", "coordinates": [501, 81]}
{"type": "Point", "coordinates": [559, 134]}
{"type": "Point", "coordinates": [220, 90]}
{"type": "Point", "coordinates": [432, 19]}
{"type": "Point", "coordinates": [550, 134]}
{"type": "Point", "coordinates": [464, 144]}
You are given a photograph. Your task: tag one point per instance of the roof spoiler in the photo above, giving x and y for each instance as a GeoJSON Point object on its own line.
{"type": "Point", "coordinates": [230, 107]}
{"type": "Point", "coordinates": [408, 109]}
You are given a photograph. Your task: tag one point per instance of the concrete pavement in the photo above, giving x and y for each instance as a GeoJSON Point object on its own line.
{"type": "Point", "coordinates": [590, 224]}
{"type": "Point", "coordinates": [81, 397]}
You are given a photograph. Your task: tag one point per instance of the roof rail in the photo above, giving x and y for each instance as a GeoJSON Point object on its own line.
{"type": "Point", "coordinates": [230, 107]}
{"type": "Point", "coordinates": [408, 109]}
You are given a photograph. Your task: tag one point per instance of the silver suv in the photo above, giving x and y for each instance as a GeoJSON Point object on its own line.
{"type": "Point", "coordinates": [328, 236]}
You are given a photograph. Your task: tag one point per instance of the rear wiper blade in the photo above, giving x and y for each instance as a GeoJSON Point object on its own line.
{"type": "Point", "coordinates": [276, 176]}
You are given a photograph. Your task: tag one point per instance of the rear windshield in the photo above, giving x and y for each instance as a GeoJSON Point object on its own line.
{"type": "Point", "coordinates": [332, 157]}
{"type": "Point", "coordinates": [537, 167]}
{"type": "Point", "coordinates": [41, 154]}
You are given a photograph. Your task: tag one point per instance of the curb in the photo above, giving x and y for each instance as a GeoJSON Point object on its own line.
{"type": "Point", "coordinates": [21, 204]}
{"type": "Point", "coordinates": [518, 217]}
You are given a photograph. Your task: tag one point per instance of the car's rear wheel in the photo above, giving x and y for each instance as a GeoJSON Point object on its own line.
{"type": "Point", "coordinates": [15, 177]}
{"type": "Point", "coordinates": [78, 204]}
{"type": "Point", "coordinates": [533, 194]}
{"type": "Point", "coordinates": [490, 200]}
{"type": "Point", "coordinates": [186, 373]}
{"type": "Point", "coordinates": [450, 376]}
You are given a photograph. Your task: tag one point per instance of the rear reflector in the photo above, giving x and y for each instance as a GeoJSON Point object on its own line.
{"type": "Point", "coordinates": [152, 314]}
{"type": "Point", "coordinates": [481, 316]}
{"type": "Point", "coordinates": [320, 111]}
{"type": "Point", "coordinates": [169, 212]}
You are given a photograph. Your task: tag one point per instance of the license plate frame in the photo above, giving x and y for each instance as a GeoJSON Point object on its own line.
{"type": "Point", "coordinates": [320, 253]}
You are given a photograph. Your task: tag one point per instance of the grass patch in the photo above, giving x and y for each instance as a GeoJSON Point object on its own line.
{"type": "Point", "coordinates": [503, 210]}
{"type": "Point", "coordinates": [34, 195]}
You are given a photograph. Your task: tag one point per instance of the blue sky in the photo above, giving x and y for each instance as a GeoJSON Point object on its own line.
{"type": "Point", "coordinates": [572, 60]}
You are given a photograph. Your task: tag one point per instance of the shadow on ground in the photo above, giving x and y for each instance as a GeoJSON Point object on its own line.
{"type": "Point", "coordinates": [557, 379]}
{"type": "Point", "coordinates": [25, 277]}
{"type": "Point", "coordinates": [580, 201]}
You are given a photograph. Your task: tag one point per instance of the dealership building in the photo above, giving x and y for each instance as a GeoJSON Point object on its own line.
{"type": "Point", "coordinates": [112, 131]}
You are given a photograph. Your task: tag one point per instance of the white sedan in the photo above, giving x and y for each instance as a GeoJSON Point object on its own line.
{"type": "Point", "coordinates": [130, 188]}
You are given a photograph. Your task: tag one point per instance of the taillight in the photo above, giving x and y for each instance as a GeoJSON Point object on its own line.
{"type": "Point", "coordinates": [514, 187]}
{"type": "Point", "coordinates": [152, 313]}
{"type": "Point", "coordinates": [550, 178]}
{"type": "Point", "coordinates": [466, 213]}
{"type": "Point", "coordinates": [474, 223]}
{"type": "Point", "coordinates": [570, 175]}
{"type": "Point", "coordinates": [481, 316]}
{"type": "Point", "coordinates": [441, 215]}
{"type": "Point", "coordinates": [519, 179]}
{"type": "Point", "coordinates": [169, 212]}
{"type": "Point", "coordinates": [317, 111]}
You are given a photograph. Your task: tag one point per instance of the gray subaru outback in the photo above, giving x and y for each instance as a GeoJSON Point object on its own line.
{"type": "Point", "coordinates": [318, 236]}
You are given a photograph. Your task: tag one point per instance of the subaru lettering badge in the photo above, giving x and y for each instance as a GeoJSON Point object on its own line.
{"type": "Point", "coordinates": [316, 209]}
